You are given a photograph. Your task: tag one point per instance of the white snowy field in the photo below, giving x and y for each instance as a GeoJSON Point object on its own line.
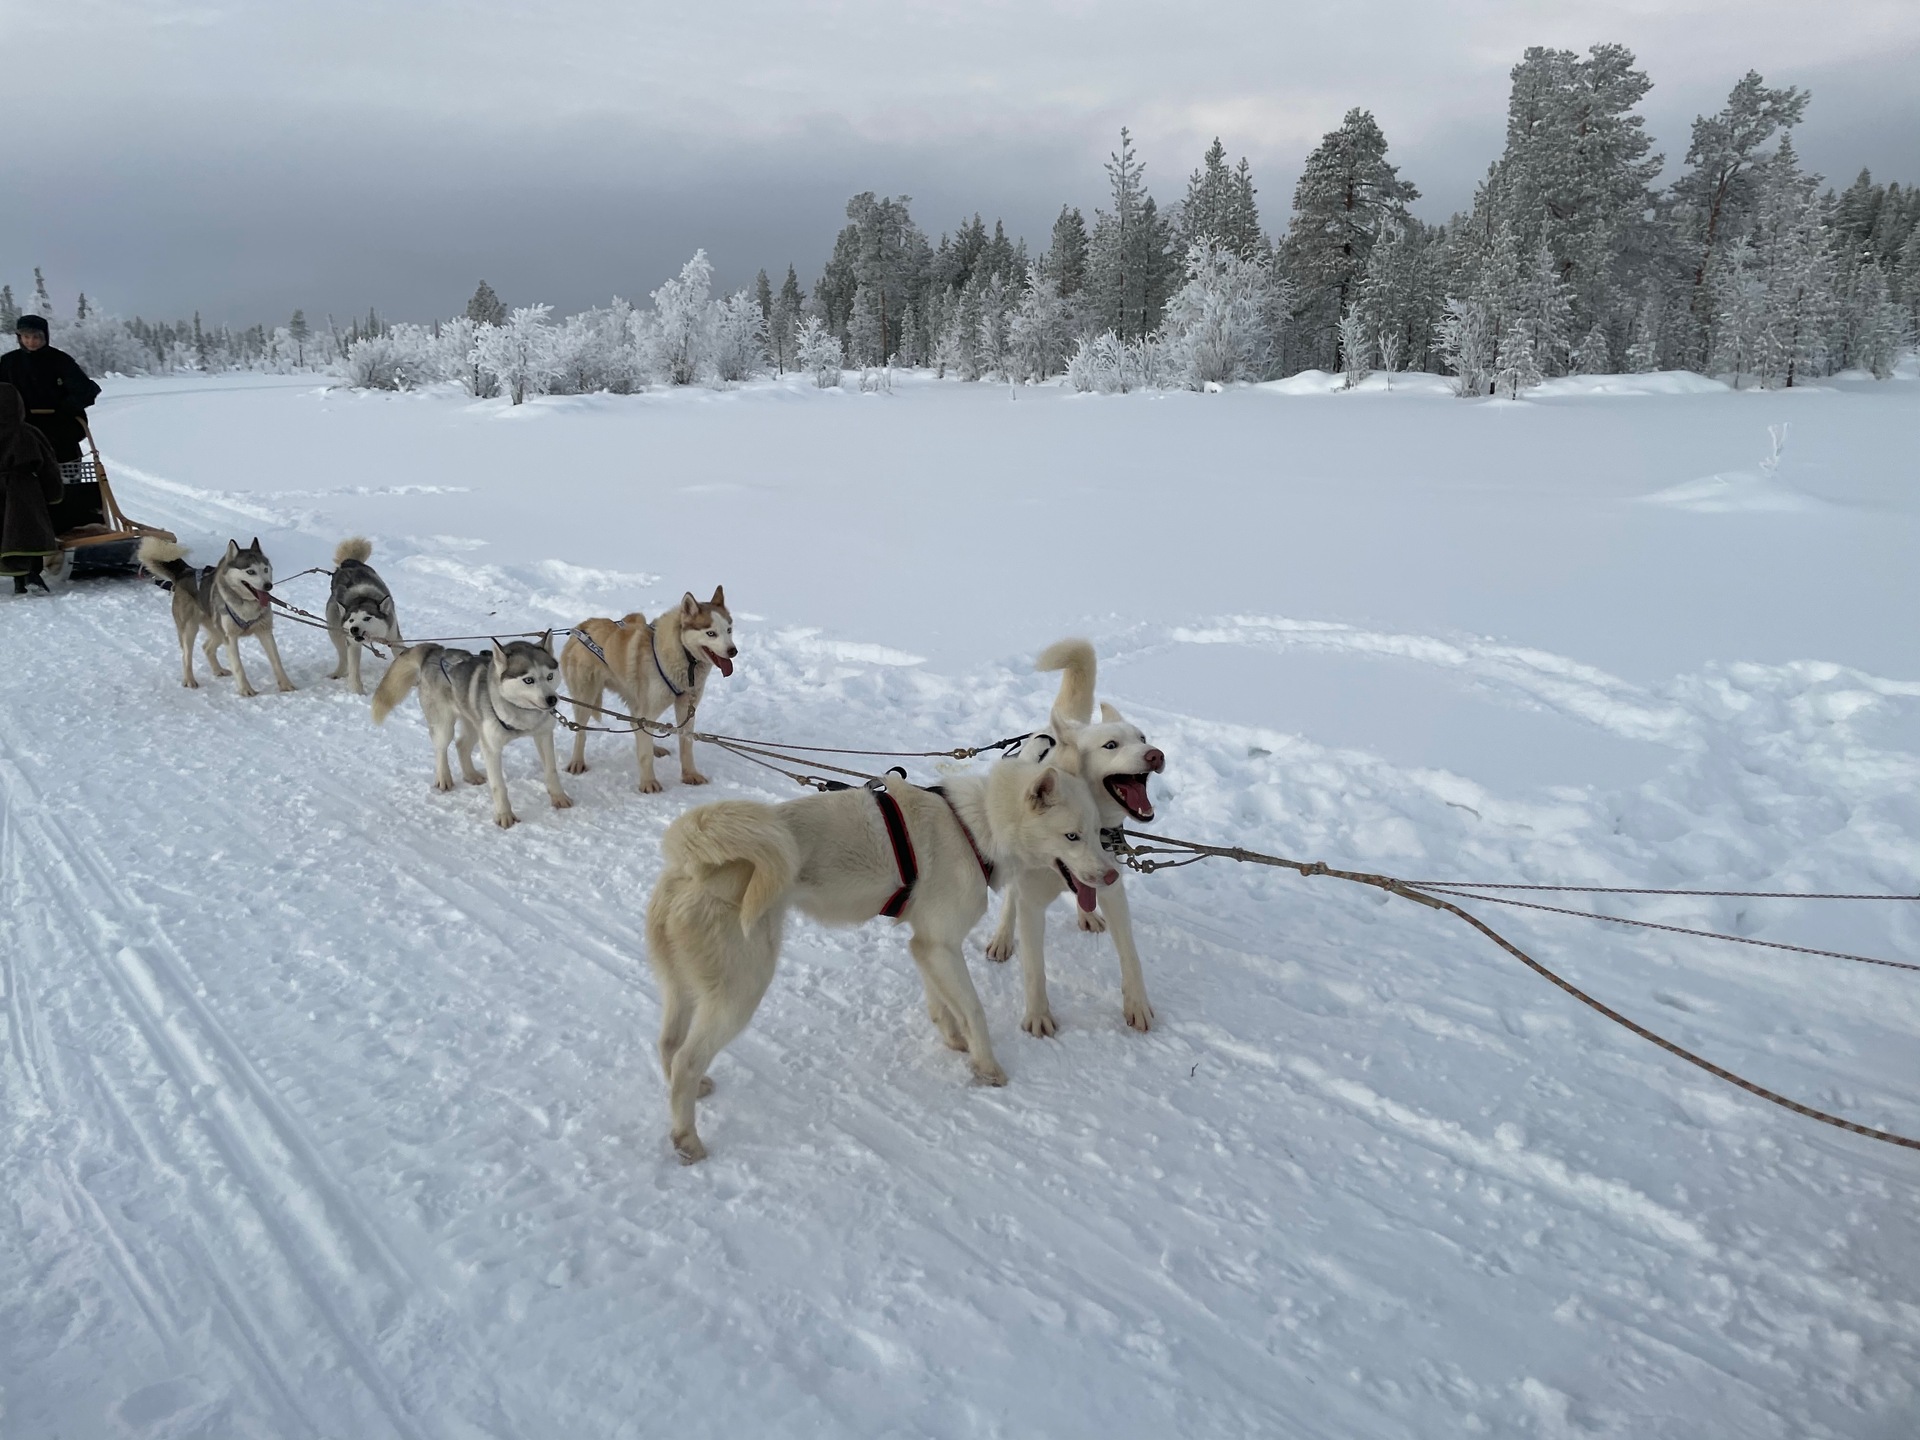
{"type": "Point", "coordinates": [327, 1109]}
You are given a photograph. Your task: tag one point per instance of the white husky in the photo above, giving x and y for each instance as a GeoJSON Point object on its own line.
{"type": "Point", "coordinates": [1116, 759]}
{"type": "Point", "coordinates": [925, 856]}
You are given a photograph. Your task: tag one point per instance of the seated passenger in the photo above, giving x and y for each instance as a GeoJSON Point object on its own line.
{"type": "Point", "coordinates": [30, 482]}
{"type": "Point", "coordinates": [55, 389]}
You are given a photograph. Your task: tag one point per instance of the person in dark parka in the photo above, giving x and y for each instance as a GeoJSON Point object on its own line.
{"type": "Point", "coordinates": [30, 477]}
{"type": "Point", "coordinates": [55, 389]}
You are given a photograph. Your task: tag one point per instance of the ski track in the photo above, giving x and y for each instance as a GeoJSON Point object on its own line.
{"type": "Point", "coordinates": [323, 1118]}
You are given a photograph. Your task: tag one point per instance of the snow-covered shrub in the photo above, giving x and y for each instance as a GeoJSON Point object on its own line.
{"type": "Point", "coordinates": [521, 354]}
{"type": "Point", "coordinates": [1356, 347]}
{"type": "Point", "coordinates": [818, 352]}
{"type": "Point", "coordinates": [1467, 344]}
{"type": "Point", "coordinates": [105, 346]}
{"type": "Point", "coordinates": [681, 323]}
{"type": "Point", "coordinates": [1217, 329]}
{"type": "Point", "coordinates": [1039, 328]}
{"type": "Point", "coordinates": [876, 380]}
{"type": "Point", "coordinates": [594, 351]}
{"type": "Point", "coordinates": [739, 337]}
{"type": "Point", "coordinates": [1108, 365]}
{"type": "Point", "coordinates": [405, 357]}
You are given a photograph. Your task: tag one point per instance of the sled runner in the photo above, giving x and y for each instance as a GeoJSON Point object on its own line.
{"type": "Point", "coordinates": [95, 537]}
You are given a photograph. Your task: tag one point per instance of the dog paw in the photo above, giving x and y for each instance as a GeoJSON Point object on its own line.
{"type": "Point", "coordinates": [651, 787]}
{"type": "Point", "coordinates": [1090, 921]}
{"type": "Point", "coordinates": [247, 692]}
{"type": "Point", "coordinates": [692, 777]}
{"type": "Point", "coordinates": [660, 752]}
{"type": "Point", "coordinates": [563, 802]}
{"type": "Point", "coordinates": [689, 1148]}
{"type": "Point", "coordinates": [576, 767]}
{"type": "Point", "coordinates": [189, 684]}
{"type": "Point", "coordinates": [286, 687]}
{"type": "Point", "coordinates": [989, 1074]}
{"type": "Point", "coordinates": [359, 689]}
{"type": "Point", "coordinates": [1000, 948]}
{"type": "Point", "coordinates": [706, 1086]}
{"type": "Point", "coordinates": [1041, 1024]}
{"type": "Point", "coordinates": [1139, 1014]}
{"type": "Point", "coordinates": [476, 778]}
{"type": "Point", "coordinates": [506, 821]}
{"type": "Point", "coordinates": [443, 786]}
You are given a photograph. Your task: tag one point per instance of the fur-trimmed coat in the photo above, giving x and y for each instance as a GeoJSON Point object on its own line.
{"type": "Point", "coordinates": [31, 478]}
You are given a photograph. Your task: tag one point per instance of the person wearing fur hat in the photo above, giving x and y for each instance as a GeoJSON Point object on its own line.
{"type": "Point", "coordinates": [51, 383]}
{"type": "Point", "coordinates": [29, 485]}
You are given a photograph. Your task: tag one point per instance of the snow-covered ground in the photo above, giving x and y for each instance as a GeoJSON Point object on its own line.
{"type": "Point", "coordinates": [327, 1109]}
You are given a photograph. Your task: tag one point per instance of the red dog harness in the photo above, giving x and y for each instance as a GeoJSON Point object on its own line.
{"type": "Point", "coordinates": [904, 859]}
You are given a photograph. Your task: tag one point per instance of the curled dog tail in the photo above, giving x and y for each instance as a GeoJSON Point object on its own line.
{"type": "Point", "coordinates": [352, 548]}
{"type": "Point", "coordinates": [402, 675]}
{"type": "Point", "coordinates": [165, 561]}
{"type": "Point", "coordinates": [711, 840]}
{"type": "Point", "coordinates": [1074, 659]}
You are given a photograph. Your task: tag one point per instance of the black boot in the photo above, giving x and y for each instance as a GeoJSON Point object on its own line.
{"type": "Point", "coordinates": [38, 581]}
{"type": "Point", "coordinates": [19, 584]}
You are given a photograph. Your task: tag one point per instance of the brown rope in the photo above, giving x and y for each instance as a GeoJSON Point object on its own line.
{"type": "Point", "coordinates": [1642, 890]}
{"type": "Point", "coordinates": [1675, 929]}
{"type": "Point", "coordinates": [1407, 890]}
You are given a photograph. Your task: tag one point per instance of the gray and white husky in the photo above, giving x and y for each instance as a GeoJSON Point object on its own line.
{"type": "Point", "coordinates": [359, 609]}
{"type": "Point", "coordinates": [734, 869]}
{"type": "Point", "coordinates": [228, 600]}
{"type": "Point", "coordinates": [510, 693]}
{"type": "Point", "coordinates": [1115, 759]}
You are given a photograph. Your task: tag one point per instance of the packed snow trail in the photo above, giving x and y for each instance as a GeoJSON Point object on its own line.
{"type": "Point", "coordinates": [330, 1109]}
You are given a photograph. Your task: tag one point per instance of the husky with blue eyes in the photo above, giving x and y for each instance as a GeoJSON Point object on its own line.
{"type": "Point", "coordinates": [491, 700]}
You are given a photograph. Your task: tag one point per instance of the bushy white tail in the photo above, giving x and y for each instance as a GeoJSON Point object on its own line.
{"type": "Point", "coordinates": [1074, 658]}
{"type": "Point", "coordinates": [402, 675]}
{"type": "Point", "coordinates": [707, 840]}
{"type": "Point", "coordinates": [352, 548]}
{"type": "Point", "coordinates": [162, 559]}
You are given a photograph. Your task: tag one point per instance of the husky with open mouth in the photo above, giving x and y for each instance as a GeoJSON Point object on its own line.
{"type": "Point", "coordinates": [650, 667]}
{"type": "Point", "coordinates": [229, 600]}
{"type": "Point", "coordinates": [1115, 759]}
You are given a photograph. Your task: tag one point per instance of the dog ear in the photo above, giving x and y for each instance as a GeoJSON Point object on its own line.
{"type": "Point", "coordinates": [499, 655]}
{"type": "Point", "coordinates": [233, 548]}
{"type": "Point", "coordinates": [1040, 790]}
{"type": "Point", "coordinates": [689, 607]}
{"type": "Point", "coordinates": [386, 606]}
{"type": "Point", "coordinates": [256, 543]}
{"type": "Point", "coordinates": [546, 640]}
{"type": "Point", "coordinates": [1109, 715]}
{"type": "Point", "coordinates": [719, 599]}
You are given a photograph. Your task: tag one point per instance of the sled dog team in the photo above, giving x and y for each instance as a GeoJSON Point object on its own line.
{"type": "Point", "coordinates": [1039, 823]}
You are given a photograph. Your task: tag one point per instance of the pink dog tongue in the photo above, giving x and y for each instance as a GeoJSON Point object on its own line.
{"type": "Point", "coordinates": [1083, 894]}
{"type": "Point", "coordinates": [721, 663]}
{"type": "Point", "coordinates": [1133, 795]}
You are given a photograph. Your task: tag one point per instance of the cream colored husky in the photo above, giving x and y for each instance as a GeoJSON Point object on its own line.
{"type": "Point", "coordinates": [650, 667]}
{"type": "Point", "coordinates": [1115, 759]}
{"type": "Point", "coordinates": [733, 870]}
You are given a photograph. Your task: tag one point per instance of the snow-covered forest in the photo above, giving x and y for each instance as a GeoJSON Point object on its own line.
{"type": "Point", "coordinates": [1571, 260]}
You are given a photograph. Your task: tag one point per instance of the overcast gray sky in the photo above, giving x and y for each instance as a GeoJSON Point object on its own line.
{"type": "Point", "coordinates": [243, 157]}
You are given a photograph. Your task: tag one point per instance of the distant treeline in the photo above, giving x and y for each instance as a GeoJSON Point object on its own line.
{"type": "Point", "coordinates": [1570, 260]}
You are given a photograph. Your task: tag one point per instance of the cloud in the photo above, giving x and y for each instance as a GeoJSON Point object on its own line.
{"type": "Point", "coordinates": [246, 157]}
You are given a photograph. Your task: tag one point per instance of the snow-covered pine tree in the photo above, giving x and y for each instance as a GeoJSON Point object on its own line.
{"type": "Point", "coordinates": [739, 337]}
{"type": "Point", "coordinates": [1066, 262]}
{"type": "Point", "coordinates": [1738, 304]}
{"type": "Point", "coordinates": [1130, 268]}
{"type": "Point", "coordinates": [1575, 173]}
{"type": "Point", "coordinates": [1592, 356]}
{"type": "Point", "coordinates": [1715, 201]}
{"type": "Point", "coordinates": [1643, 348]}
{"type": "Point", "coordinates": [43, 302]}
{"type": "Point", "coordinates": [9, 309]}
{"type": "Point", "coordinates": [1795, 265]}
{"type": "Point", "coordinates": [783, 321]}
{"type": "Point", "coordinates": [1401, 296]}
{"type": "Point", "coordinates": [1516, 365]}
{"type": "Point", "coordinates": [681, 322]}
{"type": "Point", "coordinates": [521, 353]}
{"type": "Point", "coordinates": [1347, 198]}
{"type": "Point", "coordinates": [763, 295]}
{"type": "Point", "coordinates": [1545, 310]}
{"type": "Point", "coordinates": [817, 351]}
{"type": "Point", "coordinates": [299, 331]}
{"type": "Point", "coordinates": [485, 307]}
